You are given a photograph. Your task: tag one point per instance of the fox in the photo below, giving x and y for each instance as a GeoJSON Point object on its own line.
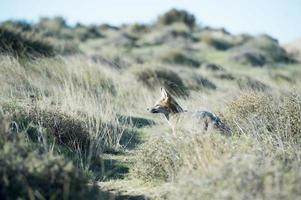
{"type": "Point", "coordinates": [175, 114]}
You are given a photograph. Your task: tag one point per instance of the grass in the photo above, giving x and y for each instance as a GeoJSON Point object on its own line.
{"type": "Point", "coordinates": [19, 45]}
{"type": "Point", "coordinates": [259, 161]}
{"type": "Point", "coordinates": [32, 170]}
{"type": "Point", "coordinates": [77, 126]}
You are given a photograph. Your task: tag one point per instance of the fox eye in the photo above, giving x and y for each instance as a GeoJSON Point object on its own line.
{"type": "Point", "coordinates": [166, 100]}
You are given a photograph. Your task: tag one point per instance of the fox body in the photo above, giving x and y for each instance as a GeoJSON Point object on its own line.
{"type": "Point", "coordinates": [177, 116]}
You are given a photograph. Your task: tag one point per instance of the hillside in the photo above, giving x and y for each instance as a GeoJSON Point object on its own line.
{"type": "Point", "coordinates": [75, 124]}
{"type": "Point", "coordinates": [294, 48]}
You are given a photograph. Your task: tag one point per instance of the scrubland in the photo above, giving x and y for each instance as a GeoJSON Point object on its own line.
{"type": "Point", "coordinates": [74, 122]}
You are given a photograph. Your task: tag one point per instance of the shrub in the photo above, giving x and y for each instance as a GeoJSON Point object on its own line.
{"type": "Point", "coordinates": [198, 82]}
{"type": "Point", "coordinates": [162, 158]}
{"type": "Point", "coordinates": [173, 35]}
{"type": "Point", "coordinates": [115, 62]}
{"type": "Point", "coordinates": [278, 77]}
{"type": "Point", "coordinates": [175, 56]}
{"type": "Point", "coordinates": [248, 83]}
{"type": "Point", "coordinates": [28, 172]}
{"type": "Point", "coordinates": [17, 25]}
{"type": "Point", "coordinates": [84, 33]}
{"type": "Point", "coordinates": [259, 51]}
{"type": "Point", "coordinates": [249, 58]}
{"type": "Point", "coordinates": [106, 27]}
{"type": "Point", "coordinates": [196, 165]}
{"type": "Point", "coordinates": [242, 177]}
{"type": "Point", "coordinates": [218, 43]}
{"type": "Point", "coordinates": [122, 39]}
{"type": "Point", "coordinates": [212, 66]}
{"type": "Point", "coordinates": [66, 129]}
{"type": "Point", "coordinates": [260, 114]}
{"type": "Point", "coordinates": [16, 44]}
{"type": "Point", "coordinates": [175, 16]}
{"type": "Point", "coordinates": [77, 133]}
{"type": "Point", "coordinates": [153, 78]}
{"type": "Point", "coordinates": [225, 76]}
{"type": "Point", "coordinates": [137, 30]}
{"type": "Point", "coordinates": [158, 159]}
{"type": "Point", "coordinates": [54, 25]}
{"type": "Point", "coordinates": [269, 46]}
{"type": "Point", "coordinates": [66, 48]}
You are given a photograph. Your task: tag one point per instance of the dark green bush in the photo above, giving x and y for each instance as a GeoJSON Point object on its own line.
{"type": "Point", "coordinates": [17, 25]}
{"type": "Point", "coordinates": [162, 78]}
{"type": "Point", "coordinates": [259, 51]}
{"type": "Point", "coordinates": [174, 16]}
{"type": "Point", "coordinates": [67, 130]}
{"type": "Point", "coordinates": [218, 43]}
{"type": "Point", "coordinates": [248, 83]}
{"type": "Point", "coordinates": [136, 29]}
{"type": "Point", "coordinates": [177, 35]}
{"type": "Point", "coordinates": [18, 45]}
{"type": "Point", "coordinates": [28, 172]}
{"type": "Point", "coordinates": [84, 33]}
{"type": "Point", "coordinates": [175, 56]}
{"type": "Point", "coordinates": [73, 133]}
{"type": "Point", "coordinates": [198, 82]}
{"type": "Point", "coordinates": [249, 57]}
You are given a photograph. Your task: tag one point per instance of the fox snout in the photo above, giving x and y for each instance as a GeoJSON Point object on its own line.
{"type": "Point", "coordinates": [153, 110]}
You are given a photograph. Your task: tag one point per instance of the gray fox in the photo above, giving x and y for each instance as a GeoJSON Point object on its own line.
{"type": "Point", "coordinates": [175, 114]}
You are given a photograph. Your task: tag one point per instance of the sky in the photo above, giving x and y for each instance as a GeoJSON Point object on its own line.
{"type": "Point", "coordinates": [279, 18]}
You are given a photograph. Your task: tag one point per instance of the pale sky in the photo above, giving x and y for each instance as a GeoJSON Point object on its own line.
{"type": "Point", "coordinates": [278, 18]}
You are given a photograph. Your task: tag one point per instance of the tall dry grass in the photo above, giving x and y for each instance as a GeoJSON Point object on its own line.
{"type": "Point", "coordinates": [75, 100]}
{"type": "Point", "coordinates": [81, 109]}
{"type": "Point", "coordinates": [259, 161]}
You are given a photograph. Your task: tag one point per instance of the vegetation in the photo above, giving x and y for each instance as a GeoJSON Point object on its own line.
{"type": "Point", "coordinates": [174, 16]}
{"type": "Point", "coordinates": [33, 170]}
{"type": "Point", "coordinates": [19, 46]}
{"type": "Point", "coordinates": [260, 51]}
{"type": "Point", "coordinates": [74, 122]}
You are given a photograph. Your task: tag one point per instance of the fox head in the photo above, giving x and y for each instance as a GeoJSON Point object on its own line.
{"type": "Point", "coordinates": [166, 104]}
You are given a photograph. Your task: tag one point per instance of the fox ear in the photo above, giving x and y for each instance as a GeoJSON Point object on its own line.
{"type": "Point", "coordinates": [164, 93]}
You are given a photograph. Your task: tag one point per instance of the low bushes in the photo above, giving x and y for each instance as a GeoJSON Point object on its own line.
{"type": "Point", "coordinates": [218, 43]}
{"type": "Point", "coordinates": [249, 58]}
{"type": "Point", "coordinates": [198, 82]}
{"type": "Point", "coordinates": [78, 134]}
{"type": "Point", "coordinates": [164, 157]}
{"type": "Point", "coordinates": [248, 83]}
{"type": "Point", "coordinates": [176, 35]}
{"type": "Point", "coordinates": [260, 160]}
{"type": "Point", "coordinates": [176, 16]}
{"type": "Point", "coordinates": [259, 51]}
{"type": "Point", "coordinates": [154, 78]}
{"type": "Point", "coordinates": [242, 177]}
{"type": "Point", "coordinates": [30, 172]}
{"type": "Point", "coordinates": [177, 57]}
{"type": "Point", "coordinates": [16, 44]}
{"type": "Point", "coordinates": [261, 114]}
